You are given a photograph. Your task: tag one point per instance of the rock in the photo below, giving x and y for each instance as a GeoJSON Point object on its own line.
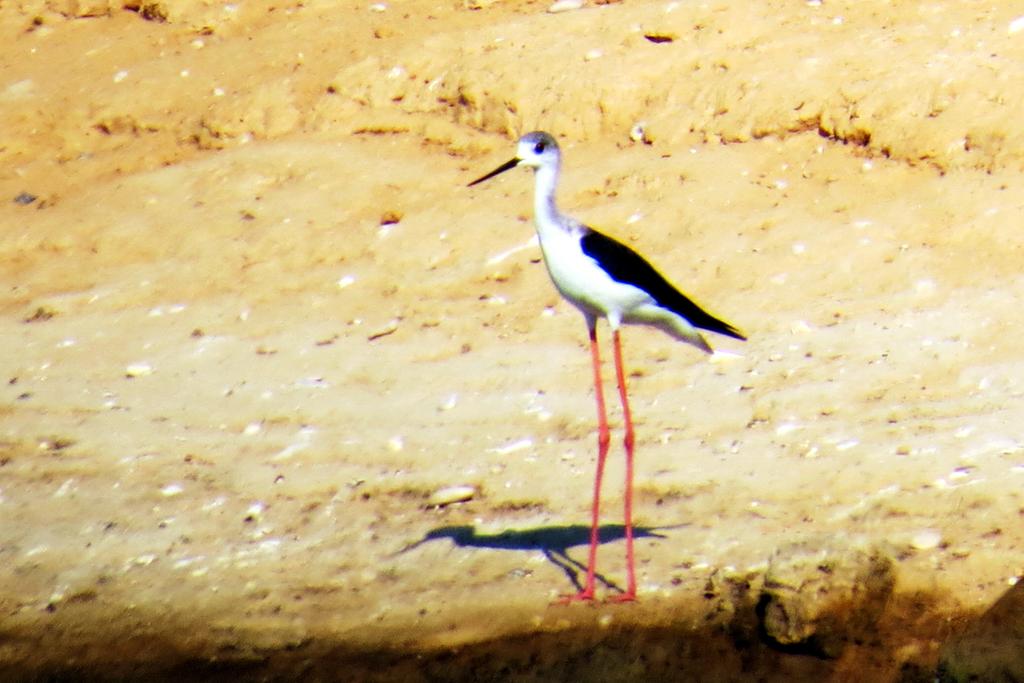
{"type": "Point", "coordinates": [926, 539]}
{"type": "Point", "coordinates": [819, 596]}
{"type": "Point", "coordinates": [141, 369]}
{"type": "Point", "coordinates": [565, 6]}
{"type": "Point", "coordinates": [451, 494]}
{"type": "Point", "coordinates": [730, 598]}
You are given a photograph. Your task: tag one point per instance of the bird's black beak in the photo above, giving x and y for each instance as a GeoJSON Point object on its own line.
{"type": "Point", "coordinates": [511, 163]}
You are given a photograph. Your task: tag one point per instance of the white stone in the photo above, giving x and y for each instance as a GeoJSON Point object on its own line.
{"type": "Point", "coordinates": [452, 494]}
{"type": "Point", "coordinates": [565, 6]}
{"type": "Point", "coordinates": [926, 539]}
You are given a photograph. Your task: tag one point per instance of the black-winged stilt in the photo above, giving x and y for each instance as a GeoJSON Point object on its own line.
{"type": "Point", "coordinates": [606, 279]}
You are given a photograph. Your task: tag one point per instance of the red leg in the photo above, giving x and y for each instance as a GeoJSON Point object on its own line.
{"type": "Point", "coordinates": [603, 439]}
{"type": "Point", "coordinates": [620, 375]}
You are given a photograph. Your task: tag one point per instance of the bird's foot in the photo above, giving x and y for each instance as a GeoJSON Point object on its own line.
{"type": "Point", "coordinates": [586, 595]}
{"type": "Point", "coordinates": [629, 596]}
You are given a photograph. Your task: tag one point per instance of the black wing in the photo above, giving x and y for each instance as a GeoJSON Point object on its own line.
{"type": "Point", "coordinates": [626, 266]}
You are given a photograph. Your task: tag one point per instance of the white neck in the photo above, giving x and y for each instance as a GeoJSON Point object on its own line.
{"type": "Point", "coordinates": [545, 212]}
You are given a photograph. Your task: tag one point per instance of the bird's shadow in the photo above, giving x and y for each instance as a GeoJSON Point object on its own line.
{"type": "Point", "coordinates": [553, 541]}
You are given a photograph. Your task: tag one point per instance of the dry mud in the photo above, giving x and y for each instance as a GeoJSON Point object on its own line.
{"type": "Point", "coordinates": [254, 320]}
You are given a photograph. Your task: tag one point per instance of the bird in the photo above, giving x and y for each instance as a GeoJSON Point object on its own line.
{"type": "Point", "coordinates": [604, 278]}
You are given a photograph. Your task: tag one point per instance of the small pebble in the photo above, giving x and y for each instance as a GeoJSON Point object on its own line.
{"type": "Point", "coordinates": [519, 445]}
{"type": "Point", "coordinates": [718, 356]}
{"type": "Point", "coordinates": [565, 6]}
{"type": "Point", "coordinates": [186, 561]}
{"type": "Point", "coordinates": [144, 560]}
{"type": "Point", "coordinates": [138, 370]}
{"type": "Point", "coordinates": [660, 37]}
{"type": "Point", "coordinates": [56, 596]}
{"type": "Point", "coordinates": [638, 133]}
{"type": "Point", "coordinates": [786, 428]}
{"type": "Point", "coordinates": [215, 503]}
{"type": "Point", "coordinates": [390, 328]}
{"type": "Point", "coordinates": [451, 494]}
{"type": "Point", "coordinates": [64, 489]}
{"type": "Point", "coordinates": [925, 286]}
{"type": "Point", "coordinates": [254, 512]}
{"type": "Point", "coordinates": [172, 490]}
{"type": "Point", "coordinates": [927, 539]}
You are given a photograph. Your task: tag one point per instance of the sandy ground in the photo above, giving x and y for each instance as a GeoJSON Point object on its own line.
{"type": "Point", "coordinates": [254, 320]}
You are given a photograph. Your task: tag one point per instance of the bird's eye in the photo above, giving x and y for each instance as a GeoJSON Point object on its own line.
{"type": "Point", "coordinates": [539, 147]}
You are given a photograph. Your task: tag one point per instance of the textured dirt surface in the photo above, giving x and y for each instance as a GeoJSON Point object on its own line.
{"type": "Point", "coordinates": [254, 321]}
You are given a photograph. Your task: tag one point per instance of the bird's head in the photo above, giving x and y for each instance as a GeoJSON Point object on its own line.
{"type": "Point", "coordinates": [535, 150]}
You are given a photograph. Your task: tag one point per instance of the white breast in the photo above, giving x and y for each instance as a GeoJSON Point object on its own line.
{"type": "Point", "coordinates": [583, 283]}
